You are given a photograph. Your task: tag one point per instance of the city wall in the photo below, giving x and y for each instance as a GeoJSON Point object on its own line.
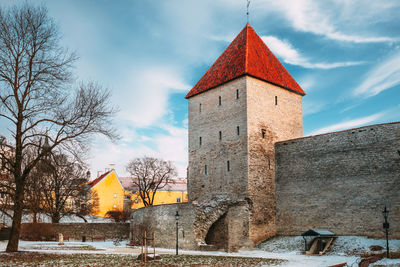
{"type": "Point", "coordinates": [340, 181]}
{"type": "Point", "coordinates": [161, 220]}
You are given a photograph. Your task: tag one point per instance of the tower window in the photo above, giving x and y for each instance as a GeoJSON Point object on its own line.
{"type": "Point", "coordinates": [237, 93]}
{"type": "Point", "coordinates": [115, 195]}
{"type": "Point", "coordinates": [237, 130]}
{"type": "Point", "coordinates": [263, 131]}
{"type": "Point", "coordinates": [178, 199]}
{"type": "Point", "coordinates": [200, 108]}
{"type": "Point", "coordinates": [200, 140]}
{"type": "Point", "coordinates": [220, 135]}
{"type": "Point", "coordinates": [219, 101]}
{"type": "Point", "coordinates": [228, 166]}
{"type": "Point", "coordinates": [276, 100]}
{"type": "Point", "coordinates": [205, 170]}
{"type": "Point", "coordinates": [115, 206]}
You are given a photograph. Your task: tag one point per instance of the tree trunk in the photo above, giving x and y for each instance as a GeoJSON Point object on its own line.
{"type": "Point", "coordinates": [13, 242]}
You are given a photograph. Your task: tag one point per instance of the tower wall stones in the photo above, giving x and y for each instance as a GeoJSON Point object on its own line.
{"type": "Point", "coordinates": [340, 181]}
{"type": "Point", "coordinates": [231, 169]}
{"type": "Point", "coordinates": [273, 114]}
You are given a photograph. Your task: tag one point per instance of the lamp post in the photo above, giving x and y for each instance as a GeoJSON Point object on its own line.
{"type": "Point", "coordinates": [385, 213]}
{"type": "Point", "coordinates": [177, 219]}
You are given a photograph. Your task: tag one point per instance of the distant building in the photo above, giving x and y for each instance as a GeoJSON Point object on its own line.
{"type": "Point", "coordinates": [110, 192]}
{"type": "Point", "coordinates": [174, 192]}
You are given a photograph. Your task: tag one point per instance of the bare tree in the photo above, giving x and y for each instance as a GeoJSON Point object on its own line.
{"type": "Point", "coordinates": [35, 92]}
{"type": "Point", "coordinates": [149, 175]}
{"type": "Point", "coordinates": [60, 180]}
{"type": "Point", "coordinates": [87, 202]}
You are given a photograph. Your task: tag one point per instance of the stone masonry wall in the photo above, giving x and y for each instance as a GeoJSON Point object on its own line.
{"type": "Point", "coordinates": [277, 112]}
{"type": "Point", "coordinates": [214, 152]}
{"type": "Point", "coordinates": [160, 219]}
{"type": "Point", "coordinates": [340, 181]}
{"type": "Point", "coordinates": [75, 231]}
{"type": "Point", "coordinates": [218, 116]}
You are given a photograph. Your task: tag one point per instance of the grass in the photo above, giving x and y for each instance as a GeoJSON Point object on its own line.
{"type": "Point", "coordinates": [45, 259]}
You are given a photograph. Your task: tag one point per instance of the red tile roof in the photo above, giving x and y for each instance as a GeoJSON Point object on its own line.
{"type": "Point", "coordinates": [247, 54]}
{"type": "Point", "coordinates": [98, 179]}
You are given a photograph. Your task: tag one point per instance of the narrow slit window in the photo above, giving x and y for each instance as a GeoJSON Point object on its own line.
{"type": "Point", "coordinates": [220, 135]}
{"type": "Point", "coordinates": [237, 130]}
{"type": "Point", "coordinates": [237, 93]}
{"type": "Point", "coordinates": [200, 141]}
{"type": "Point", "coordinates": [205, 170]}
{"type": "Point", "coordinates": [276, 100]}
{"type": "Point", "coordinates": [219, 101]}
{"type": "Point", "coordinates": [228, 166]}
{"type": "Point", "coordinates": [200, 108]}
{"type": "Point", "coordinates": [263, 133]}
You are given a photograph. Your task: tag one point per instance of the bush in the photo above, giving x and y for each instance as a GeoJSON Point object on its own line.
{"type": "Point", "coordinates": [37, 232]}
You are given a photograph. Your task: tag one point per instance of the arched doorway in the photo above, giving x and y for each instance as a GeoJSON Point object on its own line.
{"type": "Point", "coordinates": [217, 235]}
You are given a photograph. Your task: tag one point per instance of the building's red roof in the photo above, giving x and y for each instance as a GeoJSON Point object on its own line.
{"type": "Point", "coordinates": [247, 54]}
{"type": "Point", "coordinates": [98, 179]}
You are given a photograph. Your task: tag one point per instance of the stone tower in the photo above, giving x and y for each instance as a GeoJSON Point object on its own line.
{"type": "Point", "coordinates": [241, 106]}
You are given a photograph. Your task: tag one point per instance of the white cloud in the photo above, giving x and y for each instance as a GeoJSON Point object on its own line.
{"type": "Point", "coordinates": [349, 124]}
{"type": "Point", "coordinates": [382, 77]}
{"type": "Point", "coordinates": [171, 145]}
{"type": "Point", "coordinates": [145, 97]}
{"type": "Point", "coordinates": [324, 18]}
{"type": "Point", "coordinates": [312, 107]}
{"type": "Point", "coordinates": [290, 55]}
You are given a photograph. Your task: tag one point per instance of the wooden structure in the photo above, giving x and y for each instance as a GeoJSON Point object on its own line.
{"type": "Point", "coordinates": [145, 246]}
{"type": "Point", "coordinates": [320, 243]}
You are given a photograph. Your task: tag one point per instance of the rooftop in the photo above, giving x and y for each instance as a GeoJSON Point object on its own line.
{"type": "Point", "coordinates": [246, 55]}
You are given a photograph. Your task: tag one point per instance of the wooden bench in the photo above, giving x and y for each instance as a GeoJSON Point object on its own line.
{"type": "Point", "coordinates": [98, 238]}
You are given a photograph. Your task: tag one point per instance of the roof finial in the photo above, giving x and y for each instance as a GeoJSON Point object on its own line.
{"type": "Point", "coordinates": [247, 13]}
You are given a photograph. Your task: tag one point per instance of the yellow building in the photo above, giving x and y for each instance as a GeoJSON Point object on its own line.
{"type": "Point", "coordinates": [110, 192]}
{"type": "Point", "coordinates": [174, 192]}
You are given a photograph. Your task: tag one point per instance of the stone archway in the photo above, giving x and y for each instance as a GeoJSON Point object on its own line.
{"type": "Point", "coordinates": [217, 235]}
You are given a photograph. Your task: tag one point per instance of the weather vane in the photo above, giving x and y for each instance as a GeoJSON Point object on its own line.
{"type": "Point", "coordinates": [247, 13]}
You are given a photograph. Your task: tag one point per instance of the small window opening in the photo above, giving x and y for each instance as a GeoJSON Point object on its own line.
{"type": "Point", "coordinates": [115, 206]}
{"type": "Point", "coordinates": [263, 133]}
{"type": "Point", "coordinates": [220, 135]}
{"type": "Point", "coordinates": [219, 101]}
{"type": "Point", "coordinates": [115, 195]}
{"type": "Point", "coordinates": [200, 107]}
{"type": "Point", "coordinates": [276, 100]}
{"type": "Point", "coordinates": [228, 166]}
{"type": "Point", "coordinates": [200, 141]}
{"type": "Point", "coordinates": [269, 163]}
{"type": "Point", "coordinates": [237, 130]}
{"type": "Point", "coordinates": [237, 93]}
{"type": "Point", "coordinates": [178, 199]}
{"type": "Point", "coordinates": [205, 169]}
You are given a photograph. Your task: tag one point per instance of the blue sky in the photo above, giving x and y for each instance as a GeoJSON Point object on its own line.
{"type": "Point", "coordinates": [344, 54]}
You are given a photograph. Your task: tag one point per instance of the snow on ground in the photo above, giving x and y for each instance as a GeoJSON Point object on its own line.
{"type": "Point", "coordinates": [343, 245]}
{"type": "Point", "coordinates": [43, 218]}
{"type": "Point", "coordinates": [287, 248]}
